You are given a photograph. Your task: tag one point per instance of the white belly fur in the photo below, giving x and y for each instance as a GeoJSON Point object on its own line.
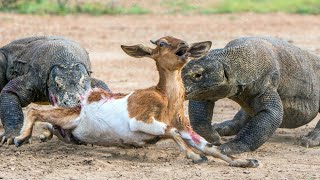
{"type": "Point", "coordinates": [107, 123]}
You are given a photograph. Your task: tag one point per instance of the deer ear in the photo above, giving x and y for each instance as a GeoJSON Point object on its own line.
{"type": "Point", "coordinates": [137, 51]}
{"type": "Point", "coordinates": [199, 49]}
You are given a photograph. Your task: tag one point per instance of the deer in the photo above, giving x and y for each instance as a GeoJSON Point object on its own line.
{"type": "Point", "coordinates": [143, 116]}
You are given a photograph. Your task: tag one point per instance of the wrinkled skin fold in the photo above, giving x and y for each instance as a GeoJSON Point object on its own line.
{"type": "Point", "coordinates": [276, 84]}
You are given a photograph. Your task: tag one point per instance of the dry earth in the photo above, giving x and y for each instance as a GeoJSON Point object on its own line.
{"type": "Point", "coordinates": [282, 158]}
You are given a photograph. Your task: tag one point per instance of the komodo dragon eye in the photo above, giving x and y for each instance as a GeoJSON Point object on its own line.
{"type": "Point", "coordinates": [58, 81]}
{"type": "Point", "coordinates": [82, 81]}
{"type": "Point", "coordinates": [196, 76]}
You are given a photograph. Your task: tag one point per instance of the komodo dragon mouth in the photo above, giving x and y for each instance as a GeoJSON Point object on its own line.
{"type": "Point", "coordinates": [192, 93]}
{"type": "Point", "coordinates": [52, 99]}
{"type": "Point", "coordinates": [200, 93]}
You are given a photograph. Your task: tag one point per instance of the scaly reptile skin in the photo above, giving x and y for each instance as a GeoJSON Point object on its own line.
{"type": "Point", "coordinates": [41, 69]}
{"type": "Point", "coordinates": [275, 83]}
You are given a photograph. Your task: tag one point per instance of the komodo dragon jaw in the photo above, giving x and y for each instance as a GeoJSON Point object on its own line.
{"type": "Point", "coordinates": [67, 85]}
{"type": "Point", "coordinates": [203, 79]}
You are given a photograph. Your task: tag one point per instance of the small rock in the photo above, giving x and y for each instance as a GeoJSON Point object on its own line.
{"type": "Point", "coordinates": [246, 172]}
{"type": "Point", "coordinates": [290, 41]}
{"type": "Point", "coordinates": [107, 155]}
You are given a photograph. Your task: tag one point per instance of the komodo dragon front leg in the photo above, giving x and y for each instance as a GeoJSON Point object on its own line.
{"type": "Point", "coordinates": [200, 113]}
{"type": "Point", "coordinates": [16, 94]}
{"type": "Point", "coordinates": [268, 111]}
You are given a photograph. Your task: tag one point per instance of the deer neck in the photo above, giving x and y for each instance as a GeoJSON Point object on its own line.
{"type": "Point", "coordinates": [170, 84]}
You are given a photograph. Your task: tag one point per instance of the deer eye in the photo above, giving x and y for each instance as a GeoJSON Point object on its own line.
{"type": "Point", "coordinates": [162, 44]}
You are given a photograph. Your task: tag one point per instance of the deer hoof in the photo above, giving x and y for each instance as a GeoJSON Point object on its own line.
{"type": "Point", "coordinates": [202, 159]}
{"type": "Point", "coordinates": [253, 163]}
{"type": "Point", "coordinates": [18, 142]}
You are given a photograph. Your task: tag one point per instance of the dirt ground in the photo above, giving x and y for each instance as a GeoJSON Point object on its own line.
{"type": "Point", "coordinates": [102, 36]}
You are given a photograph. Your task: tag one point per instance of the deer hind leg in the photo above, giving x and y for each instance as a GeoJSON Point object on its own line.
{"type": "Point", "coordinates": [196, 158]}
{"type": "Point", "coordinates": [199, 143]}
{"type": "Point", "coordinates": [65, 118]}
{"type": "Point", "coordinates": [47, 132]}
{"type": "Point", "coordinates": [158, 128]}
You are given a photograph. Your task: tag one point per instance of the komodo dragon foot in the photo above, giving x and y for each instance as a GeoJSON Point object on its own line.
{"type": "Point", "coordinates": [8, 137]}
{"type": "Point", "coordinates": [312, 139]}
{"type": "Point", "coordinates": [231, 148]}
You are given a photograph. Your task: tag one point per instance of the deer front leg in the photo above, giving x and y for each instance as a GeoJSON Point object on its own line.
{"type": "Point", "coordinates": [26, 130]}
{"type": "Point", "coordinates": [65, 118]}
{"type": "Point", "coordinates": [196, 158]}
{"type": "Point", "coordinates": [198, 142]}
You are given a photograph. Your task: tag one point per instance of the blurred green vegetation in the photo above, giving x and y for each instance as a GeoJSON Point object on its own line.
{"type": "Point", "coordinates": [179, 6]}
{"type": "Point", "coordinates": [62, 7]}
{"type": "Point", "coordinates": [265, 6]}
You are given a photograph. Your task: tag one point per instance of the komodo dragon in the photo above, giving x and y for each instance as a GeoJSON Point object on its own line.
{"type": "Point", "coordinates": [41, 69]}
{"type": "Point", "coordinates": [275, 83]}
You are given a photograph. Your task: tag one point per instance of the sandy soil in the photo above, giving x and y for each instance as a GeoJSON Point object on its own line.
{"type": "Point", "coordinates": [282, 158]}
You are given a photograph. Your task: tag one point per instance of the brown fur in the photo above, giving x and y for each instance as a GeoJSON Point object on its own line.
{"type": "Point", "coordinates": [99, 94]}
{"type": "Point", "coordinates": [170, 84]}
{"type": "Point", "coordinates": [147, 103]}
{"type": "Point", "coordinates": [58, 116]}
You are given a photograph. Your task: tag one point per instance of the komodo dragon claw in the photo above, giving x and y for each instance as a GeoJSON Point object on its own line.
{"type": "Point", "coordinates": [7, 138]}
{"type": "Point", "coordinates": [312, 139]}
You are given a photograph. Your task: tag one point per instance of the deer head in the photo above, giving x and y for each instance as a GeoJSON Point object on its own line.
{"type": "Point", "coordinates": [170, 53]}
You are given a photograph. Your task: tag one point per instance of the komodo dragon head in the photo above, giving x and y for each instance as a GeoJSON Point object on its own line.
{"type": "Point", "coordinates": [207, 78]}
{"type": "Point", "coordinates": [66, 84]}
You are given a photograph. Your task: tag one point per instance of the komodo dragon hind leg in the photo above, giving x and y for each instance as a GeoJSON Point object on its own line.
{"type": "Point", "coordinates": [312, 139]}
